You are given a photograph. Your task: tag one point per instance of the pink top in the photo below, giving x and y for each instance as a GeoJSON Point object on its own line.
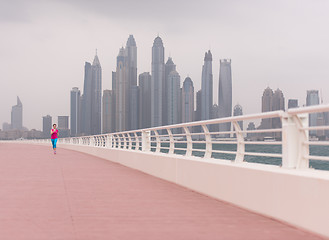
{"type": "Point", "coordinates": [54, 134]}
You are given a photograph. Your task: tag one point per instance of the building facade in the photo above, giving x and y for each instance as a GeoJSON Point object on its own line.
{"type": "Point", "coordinates": [134, 107]}
{"type": "Point", "coordinates": [267, 101]}
{"type": "Point", "coordinates": [292, 103]}
{"type": "Point", "coordinates": [277, 104]}
{"type": "Point", "coordinates": [107, 112]}
{"type": "Point", "coordinates": [237, 111]}
{"type": "Point", "coordinates": [91, 100]}
{"type": "Point", "coordinates": [17, 115]}
{"type": "Point", "coordinates": [312, 98]}
{"type": "Point", "coordinates": [46, 126]}
{"type": "Point", "coordinates": [75, 111]}
{"type": "Point", "coordinates": [207, 87]}
{"type": "Point", "coordinates": [122, 93]}
{"type": "Point", "coordinates": [173, 98]}
{"type": "Point", "coordinates": [158, 73]}
{"type": "Point", "coordinates": [96, 117]}
{"type": "Point", "coordinates": [63, 126]}
{"type": "Point", "coordinates": [145, 88]}
{"type": "Point", "coordinates": [169, 67]}
{"type": "Point", "coordinates": [225, 93]}
{"type": "Point", "coordinates": [131, 58]}
{"type": "Point", "coordinates": [187, 100]}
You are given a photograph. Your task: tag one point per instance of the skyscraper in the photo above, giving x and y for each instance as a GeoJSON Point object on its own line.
{"type": "Point", "coordinates": [91, 100]}
{"type": "Point", "coordinates": [107, 111]}
{"type": "Point", "coordinates": [131, 54]}
{"type": "Point", "coordinates": [157, 82]}
{"type": "Point", "coordinates": [267, 101]}
{"type": "Point", "coordinates": [144, 82]}
{"type": "Point", "coordinates": [272, 102]}
{"type": "Point", "coordinates": [214, 115]}
{"type": "Point", "coordinates": [292, 103]}
{"type": "Point", "coordinates": [134, 107]}
{"type": "Point", "coordinates": [173, 97]}
{"type": "Point", "coordinates": [122, 93]}
{"type": "Point", "coordinates": [251, 127]}
{"type": "Point", "coordinates": [277, 104]}
{"type": "Point", "coordinates": [113, 110]}
{"type": "Point", "coordinates": [86, 101]}
{"type": "Point", "coordinates": [207, 87]}
{"type": "Point", "coordinates": [17, 115]}
{"type": "Point", "coordinates": [124, 86]}
{"type": "Point", "coordinates": [96, 117]}
{"type": "Point", "coordinates": [131, 58]}
{"type": "Point", "coordinates": [312, 99]}
{"type": "Point", "coordinates": [197, 115]}
{"type": "Point", "coordinates": [225, 93]}
{"type": "Point", "coordinates": [169, 67]}
{"type": "Point", "coordinates": [46, 126]}
{"type": "Point", "coordinates": [63, 126]}
{"type": "Point", "coordinates": [187, 100]}
{"type": "Point", "coordinates": [75, 111]}
{"type": "Point", "coordinates": [238, 112]}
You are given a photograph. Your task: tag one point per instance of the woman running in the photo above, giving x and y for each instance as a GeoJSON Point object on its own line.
{"type": "Point", "coordinates": [54, 136]}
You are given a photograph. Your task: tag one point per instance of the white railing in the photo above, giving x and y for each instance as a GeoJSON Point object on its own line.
{"type": "Point", "coordinates": [289, 144]}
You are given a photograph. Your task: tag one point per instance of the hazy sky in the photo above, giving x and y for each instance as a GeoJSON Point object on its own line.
{"type": "Point", "coordinates": [44, 44]}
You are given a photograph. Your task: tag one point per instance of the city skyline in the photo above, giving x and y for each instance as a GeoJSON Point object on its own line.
{"type": "Point", "coordinates": [270, 44]}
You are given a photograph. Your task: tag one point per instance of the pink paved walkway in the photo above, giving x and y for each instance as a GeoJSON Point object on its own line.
{"type": "Point", "coordinates": [76, 196]}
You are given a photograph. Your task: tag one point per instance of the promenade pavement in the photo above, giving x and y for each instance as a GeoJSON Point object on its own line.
{"type": "Point", "coordinates": [76, 196]}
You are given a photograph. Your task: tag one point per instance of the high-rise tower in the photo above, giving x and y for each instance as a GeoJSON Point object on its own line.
{"type": "Point", "coordinates": [157, 82]}
{"type": "Point", "coordinates": [277, 104]}
{"type": "Point", "coordinates": [312, 99]}
{"type": "Point", "coordinates": [144, 83]}
{"type": "Point", "coordinates": [169, 67]}
{"type": "Point", "coordinates": [237, 111]}
{"type": "Point", "coordinates": [292, 103]}
{"type": "Point", "coordinates": [86, 101]}
{"type": "Point", "coordinates": [96, 111]}
{"type": "Point", "coordinates": [122, 93]}
{"type": "Point", "coordinates": [17, 115]}
{"type": "Point", "coordinates": [107, 111]}
{"type": "Point", "coordinates": [207, 87]}
{"type": "Point", "coordinates": [91, 100]}
{"type": "Point", "coordinates": [187, 100]}
{"type": "Point", "coordinates": [46, 126]}
{"type": "Point", "coordinates": [131, 55]}
{"type": "Point", "coordinates": [225, 93]}
{"type": "Point", "coordinates": [267, 100]}
{"type": "Point", "coordinates": [75, 111]}
{"type": "Point", "coordinates": [173, 97]}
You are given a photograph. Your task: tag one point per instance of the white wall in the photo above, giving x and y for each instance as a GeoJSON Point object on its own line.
{"type": "Point", "coordinates": [298, 197]}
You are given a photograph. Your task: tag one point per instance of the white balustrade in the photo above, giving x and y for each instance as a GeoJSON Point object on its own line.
{"type": "Point", "coordinates": [195, 137]}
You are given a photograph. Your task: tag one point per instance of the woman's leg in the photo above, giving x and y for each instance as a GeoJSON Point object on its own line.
{"type": "Point", "coordinates": [53, 143]}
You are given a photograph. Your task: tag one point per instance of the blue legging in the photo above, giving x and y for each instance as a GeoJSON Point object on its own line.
{"type": "Point", "coordinates": [54, 141]}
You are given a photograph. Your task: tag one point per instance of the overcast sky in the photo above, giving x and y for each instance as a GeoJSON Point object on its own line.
{"type": "Point", "coordinates": [44, 44]}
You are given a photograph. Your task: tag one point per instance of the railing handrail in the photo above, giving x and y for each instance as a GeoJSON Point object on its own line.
{"type": "Point", "coordinates": [293, 131]}
{"type": "Point", "coordinates": [309, 109]}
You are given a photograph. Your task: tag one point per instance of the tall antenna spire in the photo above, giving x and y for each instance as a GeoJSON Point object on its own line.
{"type": "Point", "coordinates": [96, 51]}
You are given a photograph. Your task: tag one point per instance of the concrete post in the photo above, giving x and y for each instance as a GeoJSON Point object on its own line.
{"type": "Point", "coordinates": [189, 142]}
{"type": "Point", "coordinates": [146, 144]}
{"type": "Point", "coordinates": [208, 142]}
{"type": "Point", "coordinates": [240, 143]}
{"type": "Point", "coordinates": [294, 151]}
{"type": "Point", "coordinates": [172, 142]}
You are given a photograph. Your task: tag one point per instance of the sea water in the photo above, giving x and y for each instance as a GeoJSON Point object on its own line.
{"type": "Point", "coordinates": [314, 150]}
